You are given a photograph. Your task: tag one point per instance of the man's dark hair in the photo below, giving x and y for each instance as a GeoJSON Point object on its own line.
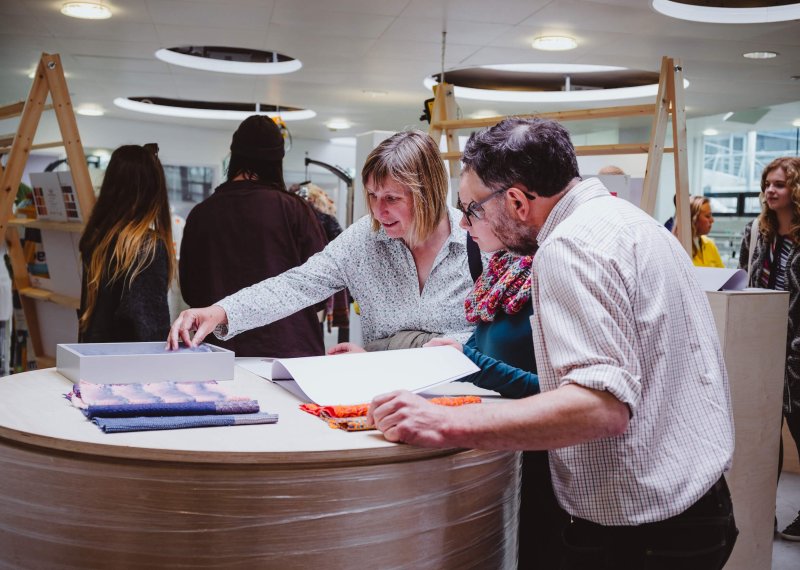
{"type": "Point", "coordinates": [535, 152]}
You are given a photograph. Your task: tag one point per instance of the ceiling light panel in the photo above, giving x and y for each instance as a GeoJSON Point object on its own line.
{"type": "Point", "coordinates": [554, 43]}
{"type": "Point", "coordinates": [760, 55]}
{"type": "Point", "coordinates": [86, 10]}
{"type": "Point", "coordinates": [241, 61]}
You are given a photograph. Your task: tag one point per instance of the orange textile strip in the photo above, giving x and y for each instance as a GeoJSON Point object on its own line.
{"type": "Point", "coordinates": [353, 418]}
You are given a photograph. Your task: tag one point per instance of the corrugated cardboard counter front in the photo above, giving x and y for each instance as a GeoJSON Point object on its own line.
{"type": "Point", "coordinates": [752, 332]}
{"type": "Point", "coordinates": [296, 494]}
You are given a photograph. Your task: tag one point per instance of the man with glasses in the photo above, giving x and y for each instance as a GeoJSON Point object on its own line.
{"type": "Point", "coordinates": [634, 408]}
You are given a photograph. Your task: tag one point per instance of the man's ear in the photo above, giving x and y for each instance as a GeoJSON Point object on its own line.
{"type": "Point", "coordinates": [518, 200]}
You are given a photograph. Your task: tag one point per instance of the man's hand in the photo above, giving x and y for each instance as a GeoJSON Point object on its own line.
{"type": "Point", "coordinates": [444, 341]}
{"type": "Point", "coordinates": [408, 418]}
{"type": "Point", "coordinates": [345, 348]}
{"type": "Point", "coordinates": [202, 321]}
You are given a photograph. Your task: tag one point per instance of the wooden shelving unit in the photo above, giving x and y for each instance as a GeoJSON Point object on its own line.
{"type": "Point", "coordinates": [669, 105]}
{"type": "Point", "coordinates": [48, 81]}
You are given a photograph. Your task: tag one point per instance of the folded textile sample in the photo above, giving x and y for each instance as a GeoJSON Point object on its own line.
{"type": "Point", "coordinates": [118, 425]}
{"type": "Point", "coordinates": [354, 418]}
{"type": "Point", "coordinates": [164, 405]}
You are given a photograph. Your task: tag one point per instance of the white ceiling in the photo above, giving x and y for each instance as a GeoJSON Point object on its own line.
{"type": "Point", "coordinates": [351, 46]}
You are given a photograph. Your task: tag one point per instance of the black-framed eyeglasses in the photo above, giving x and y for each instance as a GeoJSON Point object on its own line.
{"type": "Point", "coordinates": [476, 208]}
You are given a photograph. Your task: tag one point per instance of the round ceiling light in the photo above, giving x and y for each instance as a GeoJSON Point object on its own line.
{"type": "Point", "coordinates": [209, 110]}
{"type": "Point", "coordinates": [86, 10]}
{"type": "Point", "coordinates": [729, 11]}
{"type": "Point", "coordinates": [709, 132]}
{"type": "Point", "coordinates": [550, 83]}
{"type": "Point", "coordinates": [90, 110]}
{"type": "Point", "coordinates": [223, 59]}
{"type": "Point", "coordinates": [760, 54]}
{"type": "Point", "coordinates": [554, 43]}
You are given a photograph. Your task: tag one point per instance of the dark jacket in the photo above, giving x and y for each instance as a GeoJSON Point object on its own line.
{"type": "Point", "coordinates": [791, 400]}
{"type": "Point", "coordinates": [242, 234]}
{"type": "Point", "coordinates": [138, 312]}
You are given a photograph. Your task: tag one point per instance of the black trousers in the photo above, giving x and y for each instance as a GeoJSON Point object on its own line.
{"type": "Point", "coordinates": [700, 538]}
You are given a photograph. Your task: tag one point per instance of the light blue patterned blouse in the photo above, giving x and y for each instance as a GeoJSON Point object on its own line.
{"type": "Point", "coordinates": [380, 273]}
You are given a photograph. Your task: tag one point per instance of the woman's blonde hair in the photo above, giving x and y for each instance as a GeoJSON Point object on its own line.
{"type": "Point", "coordinates": [412, 159]}
{"type": "Point", "coordinates": [768, 225]}
{"type": "Point", "coordinates": [695, 204]}
{"type": "Point", "coordinates": [130, 218]}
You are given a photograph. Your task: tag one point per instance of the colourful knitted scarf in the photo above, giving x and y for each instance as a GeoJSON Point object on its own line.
{"type": "Point", "coordinates": [505, 283]}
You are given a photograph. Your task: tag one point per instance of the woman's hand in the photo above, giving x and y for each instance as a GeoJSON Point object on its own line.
{"type": "Point", "coordinates": [202, 321]}
{"type": "Point", "coordinates": [443, 341]}
{"type": "Point", "coordinates": [345, 348]}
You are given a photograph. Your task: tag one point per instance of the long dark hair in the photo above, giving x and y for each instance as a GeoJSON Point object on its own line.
{"type": "Point", "coordinates": [267, 172]}
{"type": "Point", "coordinates": [129, 219]}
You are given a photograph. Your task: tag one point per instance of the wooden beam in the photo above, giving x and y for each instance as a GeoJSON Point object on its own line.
{"type": "Point", "coordinates": [62, 104]}
{"type": "Point", "coordinates": [15, 110]}
{"type": "Point", "coordinates": [561, 116]}
{"type": "Point", "coordinates": [444, 106]}
{"type": "Point", "coordinates": [21, 281]}
{"type": "Point", "coordinates": [73, 227]}
{"type": "Point", "coordinates": [54, 144]}
{"type": "Point", "coordinates": [682, 214]}
{"type": "Point", "coordinates": [592, 150]}
{"type": "Point", "coordinates": [657, 133]}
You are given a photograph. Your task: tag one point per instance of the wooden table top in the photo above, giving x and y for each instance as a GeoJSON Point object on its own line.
{"type": "Point", "coordinates": [35, 412]}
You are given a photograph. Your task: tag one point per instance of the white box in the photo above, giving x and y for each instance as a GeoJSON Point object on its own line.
{"type": "Point", "coordinates": [141, 362]}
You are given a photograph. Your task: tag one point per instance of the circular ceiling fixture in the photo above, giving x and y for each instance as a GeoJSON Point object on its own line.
{"type": "Point", "coordinates": [86, 10]}
{"type": "Point", "coordinates": [729, 11]}
{"type": "Point", "coordinates": [550, 83]}
{"type": "Point", "coordinates": [210, 110]}
{"type": "Point", "coordinates": [554, 43]}
{"type": "Point", "coordinates": [223, 59]}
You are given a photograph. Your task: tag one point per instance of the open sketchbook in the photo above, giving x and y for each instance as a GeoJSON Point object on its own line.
{"type": "Point", "coordinates": [348, 379]}
{"type": "Point", "coordinates": [718, 279]}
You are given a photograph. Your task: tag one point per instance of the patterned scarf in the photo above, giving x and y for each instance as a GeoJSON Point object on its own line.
{"type": "Point", "coordinates": [505, 283]}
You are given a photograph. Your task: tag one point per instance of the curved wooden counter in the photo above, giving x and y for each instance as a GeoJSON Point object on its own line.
{"type": "Point", "coordinates": [295, 494]}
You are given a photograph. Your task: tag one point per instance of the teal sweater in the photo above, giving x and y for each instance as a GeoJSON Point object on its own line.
{"type": "Point", "coordinates": [503, 350]}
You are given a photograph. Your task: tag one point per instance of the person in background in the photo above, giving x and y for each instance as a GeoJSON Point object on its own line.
{"type": "Point", "coordinates": [613, 327]}
{"type": "Point", "coordinates": [126, 252]}
{"type": "Point", "coordinates": [771, 256]}
{"type": "Point", "coordinates": [611, 169]}
{"type": "Point", "coordinates": [250, 229]}
{"type": "Point", "coordinates": [500, 305]}
{"type": "Point", "coordinates": [405, 263]}
{"type": "Point", "coordinates": [704, 250]}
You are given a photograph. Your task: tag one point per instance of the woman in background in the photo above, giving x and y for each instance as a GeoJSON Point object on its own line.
{"type": "Point", "coordinates": [771, 257]}
{"type": "Point", "coordinates": [126, 251]}
{"type": "Point", "coordinates": [704, 250]}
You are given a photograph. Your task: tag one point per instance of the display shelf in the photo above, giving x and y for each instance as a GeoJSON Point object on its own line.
{"type": "Point", "coordinates": [74, 227]}
{"type": "Point", "coordinates": [50, 296]}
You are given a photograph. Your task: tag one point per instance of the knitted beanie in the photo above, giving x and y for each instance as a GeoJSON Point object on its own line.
{"type": "Point", "coordinates": [258, 137]}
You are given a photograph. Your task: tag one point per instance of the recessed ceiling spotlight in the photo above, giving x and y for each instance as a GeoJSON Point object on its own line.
{"type": "Point", "coordinates": [338, 124]}
{"type": "Point", "coordinates": [86, 10]}
{"type": "Point", "coordinates": [796, 123]}
{"type": "Point", "coordinates": [710, 132]}
{"type": "Point", "coordinates": [224, 59]}
{"type": "Point", "coordinates": [760, 54]}
{"type": "Point", "coordinates": [700, 12]}
{"type": "Point", "coordinates": [344, 141]}
{"type": "Point", "coordinates": [554, 43]}
{"type": "Point", "coordinates": [374, 93]}
{"type": "Point", "coordinates": [209, 110]}
{"type": "Point", "coordinates": [90, 110]}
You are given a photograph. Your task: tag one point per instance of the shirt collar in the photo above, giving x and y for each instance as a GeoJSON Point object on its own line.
{"type": "Point", "coordinates": [581, 193]}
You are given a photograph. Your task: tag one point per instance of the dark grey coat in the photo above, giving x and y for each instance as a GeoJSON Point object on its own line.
{"type": "Point", "coordinates": [791, 400]}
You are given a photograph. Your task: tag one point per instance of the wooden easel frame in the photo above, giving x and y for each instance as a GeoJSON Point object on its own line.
{"type": "Point", "coordinates": [669, 105]}
{"type": "Point", "coordinates": [49, 80]}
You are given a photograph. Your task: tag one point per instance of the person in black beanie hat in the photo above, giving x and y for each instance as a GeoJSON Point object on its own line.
{"type": "Point", "coordinates": [251, 229]}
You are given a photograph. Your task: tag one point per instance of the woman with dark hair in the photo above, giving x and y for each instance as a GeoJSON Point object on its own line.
{"type": "Point", "coordinates": [405, 263]}
{"type": "Point", "coordinates": [250, 229]}
{"type": "Point", "coordinates": [771, 256]}
{"type": "Point", "coordinates": [126, 251]}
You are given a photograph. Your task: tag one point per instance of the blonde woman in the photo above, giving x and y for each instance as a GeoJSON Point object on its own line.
{"type": "Point", "coordinates": [126, 251]}
{"type": "Point", "coordinates": [704, 250]}
{"type": "Point", "coordinates": [405, 263]}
